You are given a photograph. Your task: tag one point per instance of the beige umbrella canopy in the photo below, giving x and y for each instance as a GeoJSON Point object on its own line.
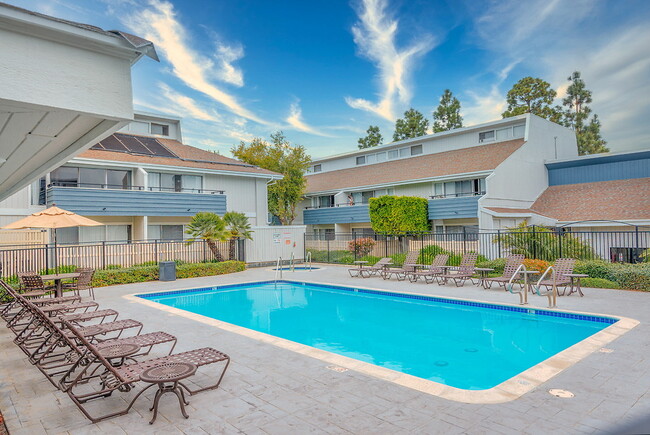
{"type": "Point", "coordinates": [53, 217]}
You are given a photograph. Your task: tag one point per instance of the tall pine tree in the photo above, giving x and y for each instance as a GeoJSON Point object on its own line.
{"type": "Point", "coordinates": [576, 116]}
{"type": "Point", "coordinates": [532, 95]}
{"type": "Point", "coordinates": [372, 139]}
{"type": "Point", "coordinates": [413, 124]}
{"type": "Point", "coordinates": [447, 115]}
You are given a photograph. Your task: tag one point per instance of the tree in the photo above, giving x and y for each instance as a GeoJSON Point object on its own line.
{"type": "Point", "coordinates": [413, 124]}
{"type": "Point", "coordinates": [532, 95]}
{"type": "Point", "coordinates": [209, 227]}
{"type": "Point", "coordinates": [577, 114]}
{"type": "Point", "coordinates": [447, 115]}
{"type": "Point", "coordinates": [279, 156]}
{"type": "Point", "coordinates": [239, 228]}
{"type": "Point", "coordinates": [373, 138]}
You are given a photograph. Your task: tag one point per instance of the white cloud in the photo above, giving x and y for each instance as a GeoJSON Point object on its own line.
{"type": "Point", "coordinates": [190, 106]}
{"type": "Point", "coordinates": [295, 120]}
{"type": "Point", "coordinates": [158, 23]}
{"type": "Point", "coordinates": [225, 56]}
{"type": "Point", "coordinates": [485, 107]}
{"type": "Point", "coordinates": [375, 36]}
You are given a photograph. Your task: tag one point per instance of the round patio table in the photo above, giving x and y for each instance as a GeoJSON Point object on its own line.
{"type": "Point", "coordinates": [167, 377]}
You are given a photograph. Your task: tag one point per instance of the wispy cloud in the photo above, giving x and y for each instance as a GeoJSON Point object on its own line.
{"type": "Point", "coordinates": [484, 107]}
{"type": "Point", "coordinates": [375, 36]}
{"type": "Point", "coordinates": [159, 23]}
{"type": "Point", "coordinates": [295, 120]}
{"type": "Point", "coordinates": [190, 106]}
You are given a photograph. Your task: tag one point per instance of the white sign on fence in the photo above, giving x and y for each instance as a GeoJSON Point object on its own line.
{"type": "Point", "coordinates": [270, 243]}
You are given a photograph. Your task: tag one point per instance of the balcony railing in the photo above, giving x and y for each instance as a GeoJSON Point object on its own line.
{"type": "Point", "coordinates": [341, 204]}
{"type": "Point", "coordinates": [134, 187]}
{"type": "Point", "coordinates": [458, 195]}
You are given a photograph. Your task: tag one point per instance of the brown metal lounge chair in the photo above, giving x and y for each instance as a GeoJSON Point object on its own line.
{"type": "Point", "coordinates": [83, 282]}
{"type": "Point", "coordinates": [400, 273]}
{"type": "Point", "coordinates": [562, 267]}
{"type": "Point", "coordinates": [463, 272]}
{"type": "Point", "coordinates": [369, 271]}
{"type": "Point", "coordinates": [513, 261]}
{"type": "Point", "coordinates": [33, 286]}
{"type": "Point", "coordinates": [81, 389]}
{"type": "Point", "coordinates": [433, 272]}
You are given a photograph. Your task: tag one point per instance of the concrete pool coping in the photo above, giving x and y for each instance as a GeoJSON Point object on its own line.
{"type": "Point", "coordinates": [507, 391]}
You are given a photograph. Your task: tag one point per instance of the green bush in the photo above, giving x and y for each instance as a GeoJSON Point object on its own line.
{"type": "Point", "coordinates": [399, 214]}
{"type": "Point", "coordinates": [595, 269]}
{"type": "Point", "coordinates": [64, 268]}
{"type": "Point", "coordinates": [150, 273]}
{"type": "Point", "coordinates": [632, 276]}
{"type": "Point", "coordinates": [497, 264]}
{"type": "Point", "coordinates": [598, 283]}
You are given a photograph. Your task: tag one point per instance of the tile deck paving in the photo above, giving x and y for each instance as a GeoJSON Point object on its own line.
{"type": "Point", "coordinates": [271, 390]}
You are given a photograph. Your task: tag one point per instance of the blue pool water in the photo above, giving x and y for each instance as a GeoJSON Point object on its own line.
{"type": "Point", "coordinates": [466, 345]}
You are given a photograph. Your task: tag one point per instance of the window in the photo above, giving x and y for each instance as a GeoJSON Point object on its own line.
{"type": "Point", "coordinates": [371, 158]}
{"type": "Point", "coordinates": [361, 160]}
{"type": "Point", "coordinates": [318, 168]}
{"type": "Point", "coordinates": [38, 192]}
{"type": "Point", "coordinates": [393, 154]}
{"type": "Point", "coordinates": [403, 152]}
{"type": "Point", "coordinates": [65, 176]}
{"type": "Point", "coordinates": [92, 177]}
{"type": "Point", "coordinates": [381, 157]}
{"type": "Point", "coordinates": [326, 201]}
{"type": "Point", "coordinates": [171, 232]}
{"type": "Point", "coordinates": [191, 183]}
{"type": "Point", "coordinates": [486, 136]}
{"type": "Point", "coordinates": [518, 130]}
{"type": "Point", "coordinates": [362, 232]}
{"type": "Point", "coordinates": [416, 150]}
{"type": "Point", "coordinates": [504, 133]}
{"type": "Point", "coordinates": [117, 179]}
{"type": "Point", "coordinates": [175, 183]}
{"type": "Point", "coordinates": [160, 129]}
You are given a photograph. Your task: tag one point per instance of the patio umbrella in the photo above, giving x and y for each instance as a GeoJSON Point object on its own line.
{"type": "Point", "coordinates": [52, 218]}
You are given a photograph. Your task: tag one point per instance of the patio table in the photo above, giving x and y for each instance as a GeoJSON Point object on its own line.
{"type": "Point", "coordinates": [483, 273]}
{"type": "Point", "coordinates": [58, 278]}
{"type": "Point", "coordinates": [576, 286]}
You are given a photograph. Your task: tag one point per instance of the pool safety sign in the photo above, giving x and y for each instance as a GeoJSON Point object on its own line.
{"type": "Point", "coordinates": [276, 238]}
{"type": "Point", "coordinates": [287, 238]}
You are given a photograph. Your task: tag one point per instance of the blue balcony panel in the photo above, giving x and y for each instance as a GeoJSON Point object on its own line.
{"type": "Point", "coordinates": [600, 168]}
{"type": "Point", "coordinates": [453, 208]}
{"type": "Point", "coordinates": [105, 202]}
{"type": "Point", "coordinates": [336, 215]}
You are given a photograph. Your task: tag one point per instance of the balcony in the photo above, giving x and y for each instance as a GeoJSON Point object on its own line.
{"type": "Point", "coordinates": [461, 205]}
{"type": "Point", "coordinates": [338, 214]}
{"type": "Point", "coordinates": [104, 200]}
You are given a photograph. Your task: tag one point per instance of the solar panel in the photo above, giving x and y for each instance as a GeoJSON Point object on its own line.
{"type": "Point", "coordinates": [156, 148]}
{"type": "Point", "coordinates": [111, 143]}
{"type": "Point", "coordinates": [134, 145]}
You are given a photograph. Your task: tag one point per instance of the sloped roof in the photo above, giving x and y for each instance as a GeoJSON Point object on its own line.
{"type": "Point", "coordinates": [603, 200]}
{"type": "Point", "coordinates": [184, 155]}
{"type": "Point", "coordinates": [473, 159]}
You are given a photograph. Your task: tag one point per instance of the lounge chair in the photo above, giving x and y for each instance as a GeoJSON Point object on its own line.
{"type": "Point", "coordinates": [463, 272]}
{"type": "Point", "coordinates": [400, 273]}
{"type": "Point", "coordinates": [369, 271]}
{"type": "Point", "coordinates": [562, 266]}
{"type": "Point", "coordinates": [123, 378]}
{"type": "Point", "coordinates": [513, 261]}
{"type": "Point", "coordinates": [83, 282]}
{"type": "Point", "coordinates": [432, 272]}
{"type": "Point", "coordinates": [32, 285]}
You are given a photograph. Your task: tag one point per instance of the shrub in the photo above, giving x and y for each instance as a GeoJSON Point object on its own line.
{"type": "Point", "coordinates": [150, 273]}
{"type": "Point", "coordinates": [544, 244]}
{"type": "Point", "coordinates": [595, 269]}
{"type": "Point", "coordinates": [65, 268]}
{"type": "Point", "coordinates": [113, 266]}
{"type": "Point", "coordinates": [361, 247]}
{"type": "Point", "coordinates": [539, 265]}
{"type": "Point", "coordinates": [399, 214]}
{"type": "Point", "coordinates": [632, 276]}
{"type": "Point", "coordinates": [598, 283]}
{"type": "Point", "coordinates": [371, 259]}
{"type": "Point", "coordinates": [497, 264]}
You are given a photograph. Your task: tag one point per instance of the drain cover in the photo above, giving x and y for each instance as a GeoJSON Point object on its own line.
{"type": "Point", "coordinates": [441, 363]}
{"type": "Point", "coordinates": [605, 350]}
{"type": "Point", "coordinates": [337, 369]}
{"type": "Point", "coordinates": [564, 394]}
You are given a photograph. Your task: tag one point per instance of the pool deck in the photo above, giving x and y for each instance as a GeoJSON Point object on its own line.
{"type": "Point", "coordinates": [269, 389]}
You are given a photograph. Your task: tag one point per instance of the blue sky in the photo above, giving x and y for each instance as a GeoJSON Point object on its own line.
{"type": "Point", "coordinates": [323, 71]}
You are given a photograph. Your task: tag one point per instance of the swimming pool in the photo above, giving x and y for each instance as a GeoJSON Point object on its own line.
{"type": "Point", "coordinates": [462, 344]}
{"type": "Point", "coordinates": [298, 268]}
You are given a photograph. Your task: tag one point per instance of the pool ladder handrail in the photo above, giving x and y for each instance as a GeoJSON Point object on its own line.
{"type": "Point", "coordinates": [291, 262]}
{"type": "Point", "coordinates": [308, 260]}
{"type": "Point", "coordinates": [278, 268]}
{"type": "Point", "coordinates": [551, 293]}
{"type": "Point", "coordinates": [522, 290]}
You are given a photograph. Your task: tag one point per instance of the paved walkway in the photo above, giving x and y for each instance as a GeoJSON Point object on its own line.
{"type": "Point", "coordinates": [269, 390]}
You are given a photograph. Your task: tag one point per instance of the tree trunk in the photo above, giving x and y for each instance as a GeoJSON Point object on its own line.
{"type": "Point", "coordinates": [215, 250]}
{"type": "Point", "coordinates": [232, 245]}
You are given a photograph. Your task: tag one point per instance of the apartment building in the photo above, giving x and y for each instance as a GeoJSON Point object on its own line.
{"type": "Point", "coordinates": [144, 183]}
{"type": "Point", "coordinates": [461, 172]}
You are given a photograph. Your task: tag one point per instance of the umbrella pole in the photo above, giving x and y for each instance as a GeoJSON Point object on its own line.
{"type": "Point", "coordinates": [56, 255]}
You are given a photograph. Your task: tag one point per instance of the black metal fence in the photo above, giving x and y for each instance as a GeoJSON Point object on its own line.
{"type": "Point", "coordinates": [111, 255]}
{"type": "Point", "coordinates": [631, 246]}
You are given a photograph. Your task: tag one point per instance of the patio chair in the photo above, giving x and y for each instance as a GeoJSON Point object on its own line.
{"type": "Point", "coordinates": [513, 261]}
{"type": "Point", "coordinates": [369, 271]}
{"type": "Point", "coordinates": [121, 379]}
{"type": "Point", "coordinates": [464, 272]}
{"type": "Point", "coordinates": [83, 282]}
{"type": "Point", "coordinates": [562, 266]}
{"type": "Point", "coordinates": [32, 285]}
{"type": "Point", "coordinates": [433, 272]}
{"type": "Point", "coordinates": [400, 273]}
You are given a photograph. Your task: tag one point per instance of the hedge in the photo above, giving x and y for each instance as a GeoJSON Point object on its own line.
{"type": "Point", "coordinates": [150, 273]}
{"type": "Point", "coordinates": [399, 214]}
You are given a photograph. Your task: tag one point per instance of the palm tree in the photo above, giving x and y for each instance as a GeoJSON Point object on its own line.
{"type": "Point", "coordinates": [209, 227]}
{"type": "Point", "coordinates": [238, 227]}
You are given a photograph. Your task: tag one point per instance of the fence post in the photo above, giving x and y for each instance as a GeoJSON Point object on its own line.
{"type": "Point", "coordinates": [155, 250]}
{"type": "Point", "coordinates": [354, 240]}
{"type": "Point", "coordinates": [304, 246]}
{"type": "Point", "coordinates": [328, 248]}
{"type": "Point", "coordinates": [636, 247]}
{"type": "Point", "coordinates": [464, 240]}
{"type": "Point", "coordinates": [104, 255]}
{"type": "Point", "coordinates": [203, 243]}
{"type": "Point", "coordinates": [241, 251]}
{"type": "Point", "coordinates": [559, 242]}
{"type": "Point", "coordinates": [499, 243]}
{"type": "Point", "coordinates": [534, 243]}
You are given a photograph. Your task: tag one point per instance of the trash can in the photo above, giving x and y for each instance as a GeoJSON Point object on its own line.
{"type": "Point", "coordinates": [167, 271]}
